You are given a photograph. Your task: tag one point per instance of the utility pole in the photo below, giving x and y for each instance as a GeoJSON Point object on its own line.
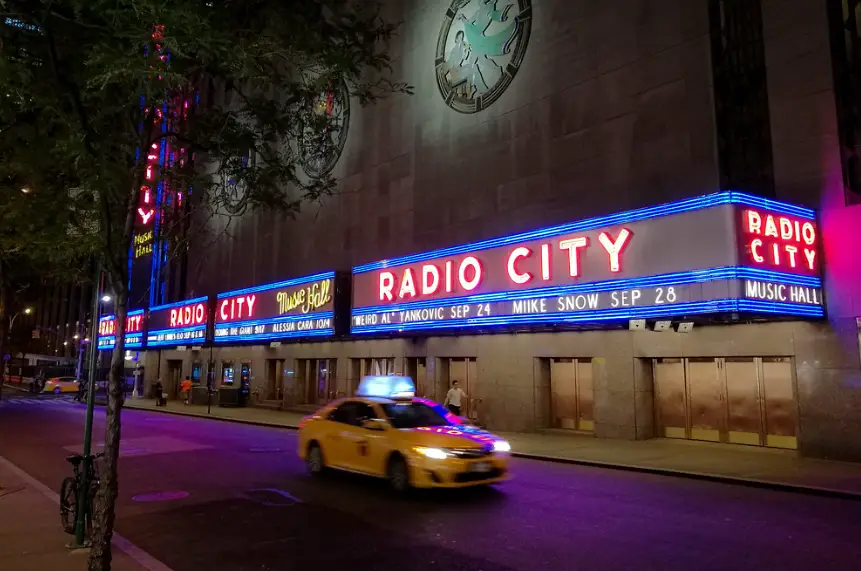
{"type": "Point", "coordinates": [86, 465]}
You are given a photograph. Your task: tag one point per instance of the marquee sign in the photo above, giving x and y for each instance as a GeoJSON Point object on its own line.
{"type": "Point", "coordinates": [723, 253]}
{"type": "Point", "coordinates": [302, 307]}
{"type": "Point", "coordinates": [134, 330]}
{"type": "Point", "coordinates": [178, 323]}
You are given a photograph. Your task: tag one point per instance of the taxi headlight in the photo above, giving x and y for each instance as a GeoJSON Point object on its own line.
{"type": "Point", "coordinates": [434, 453]}
{"type": "Point", "coordinates": [501, 446]}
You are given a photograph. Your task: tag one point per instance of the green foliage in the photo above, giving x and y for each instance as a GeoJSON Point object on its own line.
{"type": "Point", "coordinates": [81, 69]}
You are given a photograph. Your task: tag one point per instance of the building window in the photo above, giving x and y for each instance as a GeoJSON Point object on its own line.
{"type": "Point", "coordinates": [741, 97]}
{"type": "Point", "coordinates": [843, 21]}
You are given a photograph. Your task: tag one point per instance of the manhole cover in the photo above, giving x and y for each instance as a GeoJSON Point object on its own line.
{"type": "Point", "coordinates": [160, 496]}
{"type": "Point", "coordinates": [272, 497]}
{"type": "Point", "coordinates": [264, 450]}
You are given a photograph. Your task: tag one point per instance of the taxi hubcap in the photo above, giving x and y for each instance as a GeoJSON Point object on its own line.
{"type": "Point", "coordinates": [399, 476]}
{"type": "Point", "coordinates": [315, 460]}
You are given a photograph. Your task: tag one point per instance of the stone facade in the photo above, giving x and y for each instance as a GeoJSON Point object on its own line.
{"type": "Point", "coordinates": [612, 109]}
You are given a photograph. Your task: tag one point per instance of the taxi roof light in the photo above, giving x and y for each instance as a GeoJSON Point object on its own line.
{"type": "Point", "coordinates": [388, 386]}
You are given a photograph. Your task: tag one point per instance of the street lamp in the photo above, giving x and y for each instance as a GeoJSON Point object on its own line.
{"type": "Point", "coordinates": [76, 336]}
{"type": "Point", "coordinates": [25, 190]}
{"type": "Point", "coordinates": [27, 311]}
{"type": "Point", "coordinates": [106, 298]}
{"type": "Point", "coordinates": [65, 343]}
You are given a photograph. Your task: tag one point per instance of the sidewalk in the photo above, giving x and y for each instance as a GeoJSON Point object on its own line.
{"type": "Point", "coordinates": [766, 467]}
{"type": "Point", "coordinates": [31, 538]}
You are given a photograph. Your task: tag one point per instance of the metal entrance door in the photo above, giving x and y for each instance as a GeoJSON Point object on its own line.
{"type": "Point", "coordinates": [465, 371]}
{"type": "Point", "coordinates": [780, 409]}
{"type": "Point", "coordinates": [671, 396]}
{"type": "Point", "coordinates": [735, 400]}
{"type": "Point", "coordinates": [571, 393]}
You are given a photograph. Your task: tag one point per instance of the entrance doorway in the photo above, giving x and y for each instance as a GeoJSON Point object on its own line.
{"type": "Point", "coordinates": [174, 378]}
{"type": "Point", "coordinates": [417, 370]}
{"type": "Point", "coordinates": [571, 394]}
{"type": "Point", "coordinates": [369, 366]}
{"type": "Point", "coordinates": [316, 380]}
{"type": "Point", "coordinates": [465, 371]}
{"type": "Point", "coordinates": [274, 379]}
{"type": "Point", "coordinates": [747, 400]}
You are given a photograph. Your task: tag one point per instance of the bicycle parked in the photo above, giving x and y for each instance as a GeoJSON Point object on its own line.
{"type": "Point", "coordinates": [69, 494]}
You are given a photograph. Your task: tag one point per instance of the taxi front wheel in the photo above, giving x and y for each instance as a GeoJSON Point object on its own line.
{"type": "Point", "coordinates": [398, 472]}
{"type": "Point", "coordinates": [315, 460]}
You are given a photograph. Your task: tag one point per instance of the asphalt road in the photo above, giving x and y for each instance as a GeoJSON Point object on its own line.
{"type": "Point", "coordinates": [199, 494]}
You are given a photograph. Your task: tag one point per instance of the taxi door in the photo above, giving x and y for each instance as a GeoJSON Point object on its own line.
{"type": "Point", "coordinates": [372, 445]}
{"type": "Point", "coordinates": [340, 438]}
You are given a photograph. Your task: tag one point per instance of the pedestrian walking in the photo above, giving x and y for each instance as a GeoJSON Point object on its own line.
{"type": "Point", "coordinates": [454, 398]}
{"type": "Point", "coordinates": [160, 395]}
{"type": "Point", "coordinates": [186, 389]}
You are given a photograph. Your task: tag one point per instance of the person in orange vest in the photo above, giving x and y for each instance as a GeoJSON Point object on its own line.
{"type": "Point", "coordinates": [186, 389]}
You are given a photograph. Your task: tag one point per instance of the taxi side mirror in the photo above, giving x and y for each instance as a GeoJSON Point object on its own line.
{"type": "Point", "coordinates": [373, 424]}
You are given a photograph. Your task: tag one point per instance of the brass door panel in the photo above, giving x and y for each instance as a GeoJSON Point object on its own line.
{"type": "Point", "coordinates": [744, 414]}
{"type": "Point", "coordinates": [670, 395]}
{"type": "Point", "coordinates": [705, 397]}
{"type": "Point", "coordinates": [585, 395]}
{"type": "Point", "coordinates": [473, 390]}
{"type": "Point", "coordinates": [563, 392]}
{"type": "Point", "coordinates": [781, 411]}
{"type": "Point", "coordinates": [458, 372]}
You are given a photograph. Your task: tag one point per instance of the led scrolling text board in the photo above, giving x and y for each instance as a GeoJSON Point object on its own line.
{"type": "Point", "coordinates": [178, 323]}
{"type": "Point", "coordinates": [302, 307]}
{"type": "Point", "coordinates": [134, 330]}
{"type": "Point", "coordinates": [722, 253]}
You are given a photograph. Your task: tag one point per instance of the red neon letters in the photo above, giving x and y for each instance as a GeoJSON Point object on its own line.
{"type": "Point", "coordinates": [780, 241]}
{"type": "Point", "coordinates": [237, 308]}
{"type": "Point", "coordinates": [188, 315]}
{"type": "Point", "coordinates": [521, 263]}
{"type": "Point", "coordinates": [134, 324]}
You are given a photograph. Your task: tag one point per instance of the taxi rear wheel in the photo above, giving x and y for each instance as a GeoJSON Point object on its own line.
{"type": "Point", "coordinates": [398, 473]}
{"type": "Point", "coordinates": [315, 461]}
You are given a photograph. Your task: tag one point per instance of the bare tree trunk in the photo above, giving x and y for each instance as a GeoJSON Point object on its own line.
{"type": "Point", "coordinates": [105, 512]}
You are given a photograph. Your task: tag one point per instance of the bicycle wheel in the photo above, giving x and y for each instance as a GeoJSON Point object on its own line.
{"type": "Point", "coordinates": [69, 504]}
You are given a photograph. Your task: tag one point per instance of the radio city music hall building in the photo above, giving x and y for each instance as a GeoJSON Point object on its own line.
{"type": "Point", "coordinates": [568, 218]}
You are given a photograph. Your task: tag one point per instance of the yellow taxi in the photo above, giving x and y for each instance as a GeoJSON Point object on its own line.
{"type": "Point", "coordinates": [59, 385]}
{"type": "Point", "coordinates": [385, 431]}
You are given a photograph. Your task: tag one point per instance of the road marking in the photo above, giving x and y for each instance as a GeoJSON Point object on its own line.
{"type": "Point", "coordinates": [140, 556]}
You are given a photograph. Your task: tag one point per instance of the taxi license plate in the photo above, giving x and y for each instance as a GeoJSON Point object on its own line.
{"type": "Point", "coordinates": [480, 467]}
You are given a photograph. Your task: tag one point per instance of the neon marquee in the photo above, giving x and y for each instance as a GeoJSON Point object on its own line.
{"type": "Point", "coordinates": [178, 323]}
{"type": "Point", "coordinates": [301, 307]}
{"type": "Point", "coordinates": [699, 256]}
{"type": "Point", "coordinates": [135, 321]}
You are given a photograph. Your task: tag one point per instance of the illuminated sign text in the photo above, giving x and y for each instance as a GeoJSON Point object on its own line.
{"type": "Point", "coordinates": [178, 323]}
{"type": "Point", "coordinates": [780, 241]}
{"type": "Point", "coordinates": [691, 257]}
{"type": "Point", "coordinates": [143, 244]}
{"type": "Point", "coordinates": [133, 334]}
{"type": "Point", "coordinates": [302, 307]}
{"type": "Point", "coordinates": [785, 293]}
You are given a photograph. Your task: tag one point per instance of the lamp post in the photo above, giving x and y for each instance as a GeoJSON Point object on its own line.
{"type": "Point", "coordinates": [83, 491]}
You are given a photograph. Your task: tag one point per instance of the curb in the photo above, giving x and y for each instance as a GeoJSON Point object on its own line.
{"type": "Point", "coordinates": [669, 472]}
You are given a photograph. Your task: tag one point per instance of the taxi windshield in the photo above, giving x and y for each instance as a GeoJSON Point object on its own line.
{"type": "Point", "coordinates": [417, 415]}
